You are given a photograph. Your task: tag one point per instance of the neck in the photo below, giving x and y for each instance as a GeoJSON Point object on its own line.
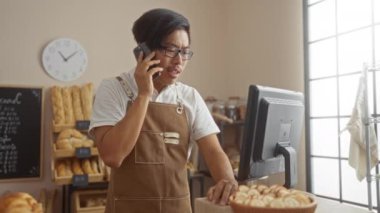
{"type": "Point", "coordinates": [159, 85]}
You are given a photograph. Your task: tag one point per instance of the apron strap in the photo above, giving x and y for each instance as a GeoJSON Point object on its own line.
{"type": "Point", "coordinates": [179, 101]}
{"type": "Point", "coordinates": [131, 96]}
{"type": "Point", "coordinates": [126, 88]}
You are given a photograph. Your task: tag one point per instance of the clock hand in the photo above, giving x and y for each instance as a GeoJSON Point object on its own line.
{"type": "Point", "coordinates": [71, 55]}
{"type": "Point", "coordinates": [63, 57]}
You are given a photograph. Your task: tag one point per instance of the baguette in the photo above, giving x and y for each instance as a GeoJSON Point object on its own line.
{"type": "Point", "coordinates": [57, 102]}
{"type": "Point", "coordinates": [94, 166]}
{"type": "Point", "coordinates": [86, 97]}
{"type": "Point", "coordinates": [77, 105]}
{"type": "Point", "coordinates": [86, 166]}
{"type": "Point", "coordinates": [76, 167]}
{"type": "Point", "coordinates": [68, 106]}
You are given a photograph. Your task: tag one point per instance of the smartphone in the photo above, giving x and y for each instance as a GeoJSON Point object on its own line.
{"type": "Point", "coordinates": [142, 47]}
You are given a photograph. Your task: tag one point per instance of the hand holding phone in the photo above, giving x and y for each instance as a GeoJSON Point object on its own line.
{"type": "Point", "coordinates": [142, 47]}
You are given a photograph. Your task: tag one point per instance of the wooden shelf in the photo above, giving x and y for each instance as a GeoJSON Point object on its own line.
{"type": "Point", "coordinates": [66, 180]}
{"type": "Point", "coordinates": [64, 153]}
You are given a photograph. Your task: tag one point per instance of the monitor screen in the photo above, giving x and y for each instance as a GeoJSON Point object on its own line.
{"type": "Point", "coordinates": [272, 131]}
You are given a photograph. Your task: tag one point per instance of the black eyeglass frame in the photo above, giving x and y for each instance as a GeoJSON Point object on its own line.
{"type": "Point", "coordinates": [172, 54]}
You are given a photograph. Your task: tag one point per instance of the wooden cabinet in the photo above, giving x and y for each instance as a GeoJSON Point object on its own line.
{"type": "Point", "coordinates": [89, 201]}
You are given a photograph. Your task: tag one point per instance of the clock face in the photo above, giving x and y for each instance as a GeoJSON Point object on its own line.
{"type": "Point", "coordinates": [64, 59]}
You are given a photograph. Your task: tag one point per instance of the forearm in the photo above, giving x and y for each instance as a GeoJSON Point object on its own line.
{"type": "Point", "coordinates": [215, 158]}
{"type": "Point", "coordinates": [219, 166]}
{"type": "Point", "coordinates": [118, 141]}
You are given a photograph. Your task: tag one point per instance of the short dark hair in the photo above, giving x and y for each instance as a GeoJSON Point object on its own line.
{"type": "Point", "coordinates": [154, 25]}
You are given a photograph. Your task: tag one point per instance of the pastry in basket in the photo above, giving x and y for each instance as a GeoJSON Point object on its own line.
{"type": "Point", "coordinates": [71, 139]}
{"type": "Point", "coordinates": [57, 102]}
{"type": "Point", "coordinates": [86, 97]}
{"type": "Point", "coordinates": [69, 172]}
{"type": "Point", "coordinates": [19, 202]}
{"type": "Point", "coordinates": [86, 166]}
{"type": "Point", "coordinates": [64, 144]}
{"type": "Point", "coordinates": [77, 105]}
{"type": "Point", "coordinates": [87, 143]}
{"type": "Point", "coordinates": [94, 166]}
{"type": "Point", "coordinates": [76, 167]}
{"type": "Point", "coordinates": [63, 168]}
{"type": "Point", "coordinates": [68, 106]}
{"type": "Point", "coordinates": [258, 198]}
{"type": "Point", "coordinates": [70, 134]}
{"type": "Point", "coordinates": [77, 143]}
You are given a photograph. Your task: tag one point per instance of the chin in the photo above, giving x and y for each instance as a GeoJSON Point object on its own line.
{"type": "Point", "coordinates": [167, 80]}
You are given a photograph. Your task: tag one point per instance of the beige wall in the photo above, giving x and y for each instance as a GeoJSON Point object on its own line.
{"type": "Point", "coordinates": [236, 43]}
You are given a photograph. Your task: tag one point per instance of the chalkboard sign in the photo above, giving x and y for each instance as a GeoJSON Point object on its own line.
{"type": "Point", "coordinates": [20, 132]}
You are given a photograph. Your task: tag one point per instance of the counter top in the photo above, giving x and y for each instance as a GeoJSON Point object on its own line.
{"type": "Point", "coordinates": [202, 205]}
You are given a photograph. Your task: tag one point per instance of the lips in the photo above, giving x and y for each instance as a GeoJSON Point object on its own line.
{"type": "Point", "coordinates": [174, 71]}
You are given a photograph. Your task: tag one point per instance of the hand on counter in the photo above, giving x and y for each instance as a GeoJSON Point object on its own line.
{"type": "Point", "coordinates": [220, 193]}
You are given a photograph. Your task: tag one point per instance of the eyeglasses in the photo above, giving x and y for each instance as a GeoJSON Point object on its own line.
{"type": "Point", "coordinates": [172, 52]}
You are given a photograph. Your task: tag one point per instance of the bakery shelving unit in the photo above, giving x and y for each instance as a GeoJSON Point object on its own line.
{"type": "Point", "coordinates": [73, 183]}
{"type": "Point", "coordinates": [75, 163]}
{"type": "Point", "coordinates": [75, 155]}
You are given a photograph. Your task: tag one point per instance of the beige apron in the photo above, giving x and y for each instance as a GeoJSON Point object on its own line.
{"type": "Point", "coordinates": [153, 177]}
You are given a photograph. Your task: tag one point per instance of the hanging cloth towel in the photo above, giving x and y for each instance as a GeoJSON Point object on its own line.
{"type": "Point", "coordinates": [356, 126]}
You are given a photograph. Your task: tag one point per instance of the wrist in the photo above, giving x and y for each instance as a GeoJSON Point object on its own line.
{"type": "Point", "coordinates": [143, 97]}
{"type": "Point", "coordinates": [232, 181]}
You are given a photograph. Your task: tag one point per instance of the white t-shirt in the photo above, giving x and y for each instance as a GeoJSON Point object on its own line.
{"type": "Point", "coordinates": [111, 100]}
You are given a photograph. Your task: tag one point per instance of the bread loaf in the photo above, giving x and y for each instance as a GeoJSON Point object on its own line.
{"type": "Point", "coordinates": [61, 169]}
{"type": "Point", "coordinates": [275, 196]}
{"type": "Point", "coordinates": [94, 166]}
{"type": "Point", "coordinates": [64, 144]}
{"type": "Point", "coordinates": [19, 202]}
{"type": "Point", "coordinates": [69, 172]}
{"type": "Point", "coordinates": [77, 105]}
{"type": "Point", "coordinates": [86, 97]}
{"type": "Point", "coordinates": [68, 106]}
{"type": "Point", "coordinates": [86, 166]}
{"type": "Point", "coordinates": [88, 143]}
{"type": "Point", "coordinates": [69, 134]}
{"type": "Point", "coordinates": [77, 143]}
{"type": "Point", "coordinates": [57, 102]}
{"type": "Point", "coordinates": [76, 167]}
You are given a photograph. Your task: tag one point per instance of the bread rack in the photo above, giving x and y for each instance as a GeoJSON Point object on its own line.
{"type": "Point", "coordinates": [369, 120]}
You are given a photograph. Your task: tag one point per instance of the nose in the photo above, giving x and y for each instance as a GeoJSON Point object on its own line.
{"type": "Point", "coordinates": [178, 58]}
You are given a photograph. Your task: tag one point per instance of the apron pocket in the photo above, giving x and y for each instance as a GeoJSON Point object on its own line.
{"type": "Point", "coordinates": [149, 148]}
{"type": "Point", "coordinates": [137, 206]}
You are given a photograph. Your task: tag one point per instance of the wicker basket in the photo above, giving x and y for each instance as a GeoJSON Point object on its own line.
{"type": "Point", "coordinates": [240, 208]}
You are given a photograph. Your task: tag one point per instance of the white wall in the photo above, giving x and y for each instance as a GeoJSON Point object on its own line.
{"type": "Point", "coordinates": [236, 43]}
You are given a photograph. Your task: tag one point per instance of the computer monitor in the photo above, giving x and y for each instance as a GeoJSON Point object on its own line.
{"type": "Point", "coordinates": [272, 131]}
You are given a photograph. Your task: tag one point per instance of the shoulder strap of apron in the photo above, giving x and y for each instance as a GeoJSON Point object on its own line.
{"type": "Point", "coordinates": [126, 88]}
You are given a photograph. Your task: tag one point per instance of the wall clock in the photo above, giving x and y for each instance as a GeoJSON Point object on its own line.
{"type": "Point", "coordinates": [64, 59]}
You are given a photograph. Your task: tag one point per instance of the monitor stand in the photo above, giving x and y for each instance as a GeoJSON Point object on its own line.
{"type": "Point", "coordinates": [290, 156]}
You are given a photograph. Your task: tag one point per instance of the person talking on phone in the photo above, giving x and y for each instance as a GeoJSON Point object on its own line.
{"type": "Point", "coordinates": [145, 120]}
